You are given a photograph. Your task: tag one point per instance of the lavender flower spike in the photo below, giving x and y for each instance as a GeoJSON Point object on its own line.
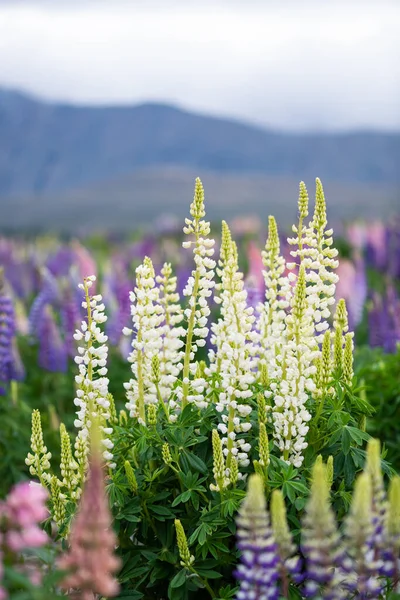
{"type": "Point", "coordinates": [258, 571]}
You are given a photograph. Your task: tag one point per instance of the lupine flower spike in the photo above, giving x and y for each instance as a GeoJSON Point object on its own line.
{"type": "Point", "coordinates": [258, 568]}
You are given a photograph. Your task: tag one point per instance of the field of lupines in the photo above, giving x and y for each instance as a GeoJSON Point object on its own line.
{"type": "Point", "coordinates": [172, 428]}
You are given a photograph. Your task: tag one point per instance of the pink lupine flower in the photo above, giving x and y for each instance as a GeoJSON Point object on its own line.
{"type": "Point", "coordinates": [91, 562]}
{"type": "Point", "coordinates": [23, 510]}
{"type": "Point", "coordinates": [85, 262]}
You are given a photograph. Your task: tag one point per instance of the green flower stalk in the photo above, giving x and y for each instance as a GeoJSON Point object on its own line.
{"type": "Point", "coordinates": [221, 481]}
{"type": "Point", "coordinates": [39, 460]}
{"type": "Point", "coordinates": [187, 559]}
{"type": "Point", "coordinates": [130, 475]}
{"type": "Point", "coordinates": [340, 324]}
{"type": "Point", "coordinates": [329, 471]}
{"type": "Point", "coordinates": [151, 415]}
{"type": "Point", "coordinates": [262, 408]}
{"type": "Point", "coordinates": [324, 367]}
{"type": "Point", "coordinates": [233, 471]}
{"type": "Point", "coordinates": [198, 289]}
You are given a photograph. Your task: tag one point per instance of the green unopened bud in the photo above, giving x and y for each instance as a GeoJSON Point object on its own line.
{"type": "Point", "coordinates": [373, 464]}
{"type": "Point", "coordinates": [226, 243]}
{"type": "Point", "coordinates": [57, 500]}
{"type": "Point", "coordinates": [68, 465]}
{"type": "Point", "coordinates": [219, 463]}
{"type": "Point", "coordinates": [233, 471]}
{"type": "Point", "coordinates": [155, 368]}
{"type": "Point", "coordinates": [197, 207]}
{"type": "Point", "coordinates": [166, 454]}
{"type": "Point", "coordinates": [303, 200]}
{"type": "Point", "coordinates": [393, 520]}
{"type": "Point", "coordinates": [131, 477]}
{"type": "Point", "coordinates": [123, 418]}
{"type": "Point", "coordinates": [39, 460]}
{"type": "Point", "coordinates": [338, 351]}
{"type": "Point", "coordinates": [340, 319]}
{"type": "Point", "coordinates": [319, 218]}
{"type": "Point", "coordinates": [360, 513]}
{"type": "Point", "coordinates": [329, 471]}
{"type": "Point", "coordinates": [262, 408]}
{"type": "Point", "coordinates": [348, 359]}
{"type": "Point", "coordinates": [263, 376]}
{"type": "Point", "coordinates": [113, 419]}
{"type": "Point", "coordinates": [258, 469]}
{"type": "Point", "coordinates": [280, 527]}
{"type": "Point", "coordinates": [151, 415]}
{"type": "Point", "coordinates": [186, 558]}
{"type": "Point", "coordinates": [263, 446]}
{"type": "Point", "coordinates": [200, 370]}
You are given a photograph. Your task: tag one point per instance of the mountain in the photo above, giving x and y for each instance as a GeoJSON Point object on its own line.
{"type": "Point", "coordinates": [51, 148]}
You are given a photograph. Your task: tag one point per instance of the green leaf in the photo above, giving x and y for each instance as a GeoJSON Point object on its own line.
{"type": "Point", "coordinates": [179, 579]}
{"type": "Point", "coordinates": [190, 460]}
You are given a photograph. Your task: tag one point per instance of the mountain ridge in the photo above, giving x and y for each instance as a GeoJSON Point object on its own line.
{"type": "Point", "coordinates": [52, 148]}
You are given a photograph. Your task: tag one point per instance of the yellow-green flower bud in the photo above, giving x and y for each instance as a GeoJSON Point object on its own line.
{"type": "Point", "coordinates": [151, 414]}
{"type": "Point", "coordinates": [123, 418]}
{"type": "Point", "coordinates": [393, 519]}
{"type": "Point", "coordinates": [219, 463]}
{"type": "Point", "coordinates": [186, 558]}
{"type": "Point", "coordinates": [131, 477]}
{"type": "Point", "coordinates": [329, 471]}
{"type": "Point", "coordinates": [262, 408]}
{"type": "Point", "coordinates": [166, 454]}
{"type": "Point", "coordinates": [280, 527]}
{"type": "Point", "coordinates": [338, 351]}
{"type": "Point", "coordinates": [319, 218]}
{"type": "Point", "coordinates": [362, 423]}
{"type": "Point", "coordinates": [348, 359]}
{"type": "Point", "coordinates": [113, 419]}
{"type": "Point", "coordinates": [155, 368]}
{"type": "Point", "coordinates": [303, 201]}
{"type": "Point", "coordinates": [39, 460]}
{"type": "Point", "coordinates": [234, 471]}
{"type": "Point", "coordinates": [57, 500]}
{"type": "Point", "coordinates": [259, 469]}
{"type": "Point", "coordinates": [263, 446]}
{"type": "Point", "coordinates": [68, 465]}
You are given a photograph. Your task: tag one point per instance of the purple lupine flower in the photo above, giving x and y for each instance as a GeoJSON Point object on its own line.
{"type": "Point", "coordinates": [10, 363]}
{"type": "Point", "coordinates": [52, 349]}
{"type": "Point", "coordinates": [47, 295]}
{"type": "Point", "coordinates": [60, 263]}
{"type": "Point", "coordinates": [321, 543]}
{"type": "Point", "coordinates": [258, 569]}
{"type": "Point", "coordinates": [70, 313]}
{"type": "Point", "coordinates": [362, 566]}
{"type": "Point", "coordinates": [384, 321]}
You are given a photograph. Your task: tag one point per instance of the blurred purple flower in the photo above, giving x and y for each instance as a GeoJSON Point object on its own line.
{"type": "Point", "coordinates": [52, 350]}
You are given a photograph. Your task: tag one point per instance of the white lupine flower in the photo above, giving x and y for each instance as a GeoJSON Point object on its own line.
{"type": "Point", "coordinates": [147, 317]}
{"type": "Point", "coordinates": [198, 289]}
{"type": "Point", "coordinates": [234, 361]}
{"type": "Point", "coordinates": [171, 355]}
{"type": "Point", "coordinates": [92, 391]}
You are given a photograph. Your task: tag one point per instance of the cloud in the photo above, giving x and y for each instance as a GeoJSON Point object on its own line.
{"type": "Point", "coordinates": [286, 64]}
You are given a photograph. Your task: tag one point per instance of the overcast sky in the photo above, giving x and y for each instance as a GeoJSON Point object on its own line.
{"type": "Point", "coordinates": [303, 64]}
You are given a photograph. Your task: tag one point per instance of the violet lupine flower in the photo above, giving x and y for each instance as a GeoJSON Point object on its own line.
{"type": "Point", "coordinates": [384, 321]}
{"type": "Point", "coordinates": [70, 313]}
{"type": "Point", "coordinates": [91, 562]}
{"type": "Point", "coordinates": [321, 542]}
{"type": "Point", "coordinates": [121, 315]}
{"type": "Point", "coordinates": [258, 569]}
{"type": "Point", "coordinates": [52, 349]}
{"type": "Point", "coordinates": [9, 358]}
{"type": "Point", "coordinates": [47, 295]}
{"type": "Point", "coordinates": [60, 263]}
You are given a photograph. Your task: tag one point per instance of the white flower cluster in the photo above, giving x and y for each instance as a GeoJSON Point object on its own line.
{"type": "Point", "coordinates": [272, 315]}
{"type": "Point", "coordinates": [290, 393]}
{"type": "Point", "coordinates": [198, 289]}
{"type": "Point", "coordinates": [147, 317]}
{"type": "Point", "coordinates": [233, 364]}
{"type": "Point", "coordinates": [293, 321]}
{"type": "Point", "coordinates": [92, 382]}
{"type": "Point", "coordinates": [318, 257]}
{"type": "Point", "coordinates": [171, 355]}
